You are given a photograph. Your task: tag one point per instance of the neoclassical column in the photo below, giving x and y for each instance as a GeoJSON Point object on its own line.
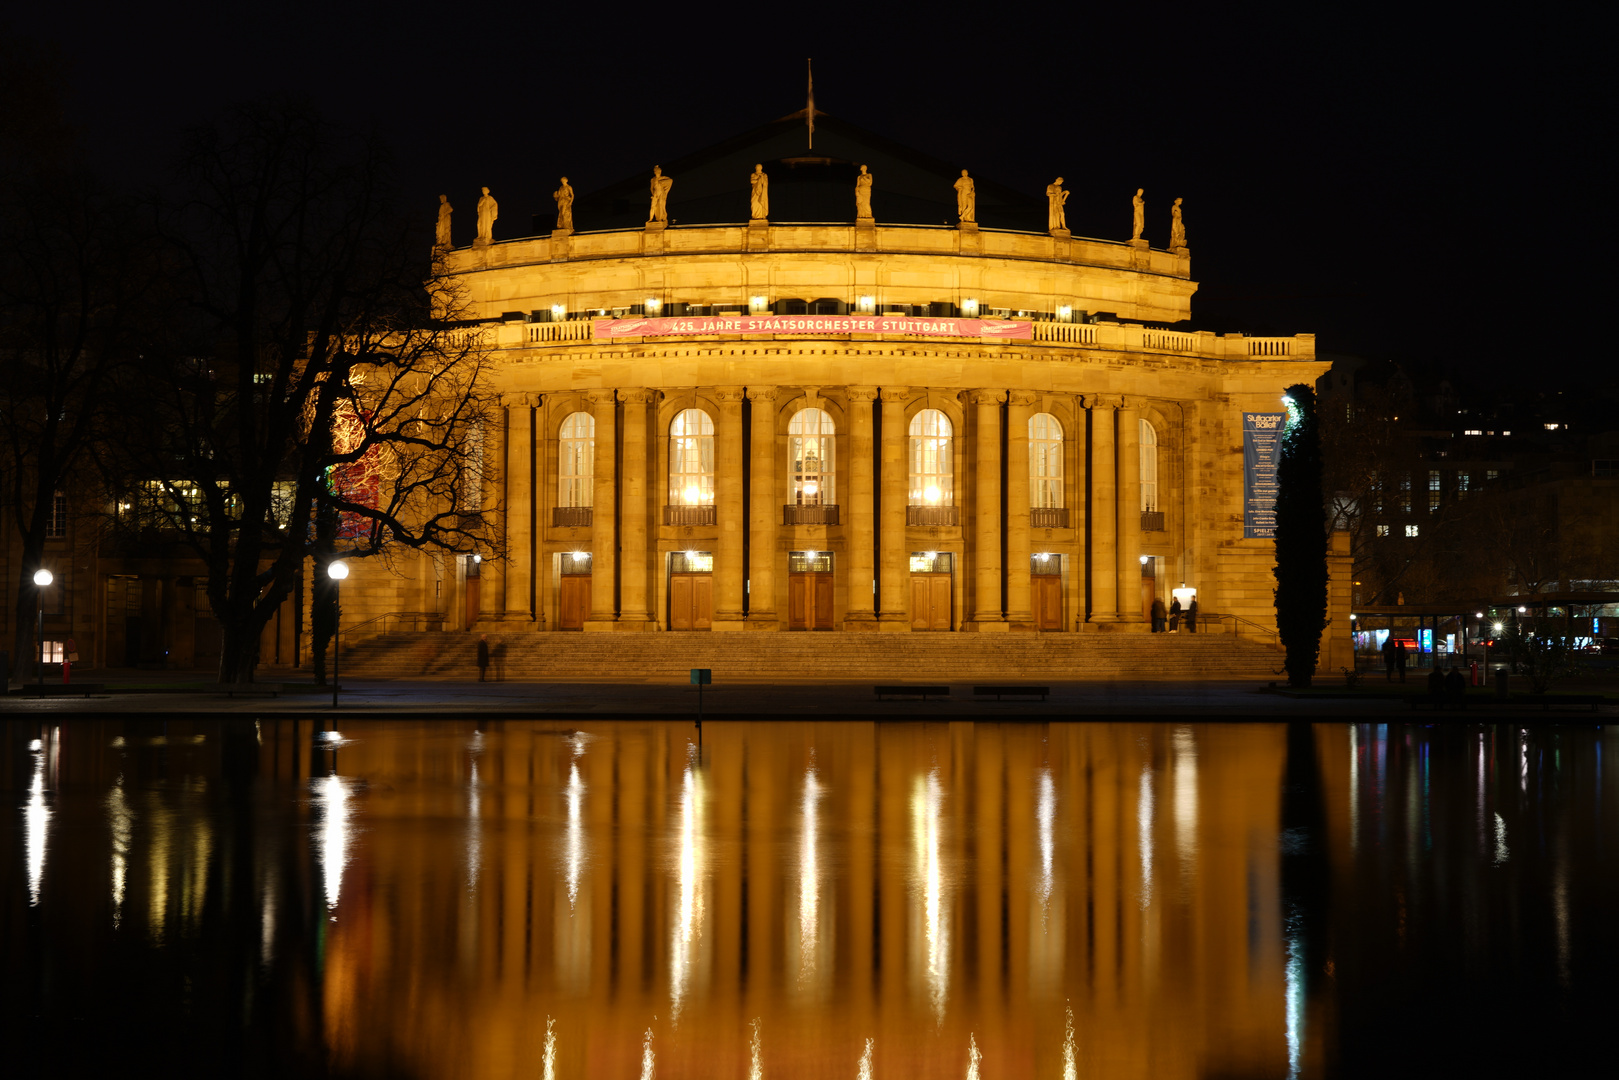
{"type": "Point", "coordinates": [895, 578]}
{"type": "Point", "coordinates": [728, 452]}
{"type": "Point", "coordinates": [497, 508]}
{"type": "Point", "coordinates": [519, 506]}
{"type": "Point", "coordinates": [1102, 515]}
{"type": "Point", "coordinates": [604, 499]}
{"type": "Point", "coordinates": [986, 504]}
{"type": "Point", "coordinates": [859, 507]}
{"type": "Point", "coordinates": [634, 568]}
{"type": "Point", "coordinates": [764, 506]}
{"type": "Point", "coordinates": [1019, 610]}
{"type": "Point", "coordinates": [1129, 503]}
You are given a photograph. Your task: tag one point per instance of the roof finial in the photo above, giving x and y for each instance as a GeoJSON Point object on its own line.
{"type": "Point", "coordinates": [809, 110]}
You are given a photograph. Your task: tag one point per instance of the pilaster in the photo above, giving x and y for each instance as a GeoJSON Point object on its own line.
{"type": "Point", "coordinates": [603, 524]}
{"type": "Point", "coordinates": [519, 481]}
{"type": "Point", "coordinates": [764, 502]}
{"type": "Point", "coordinates": [1129, 511]}
{"type": "Point", "coordinates": [894, 582]}
{"type": "Point", "coordinates": [986, 504]}
{"type": "Point", "coordinates": [1102, 513]}
{"type": "Point", "coordinates": [492, 588]}
{"type": "Point", "coordinates": [860, 613]}
{"type": "Point", "coordinates": [633, 614]}
{"type": "Point", "coordinates": [1019, 609]}
{"type": "Point", "coordinates": [728, 452]}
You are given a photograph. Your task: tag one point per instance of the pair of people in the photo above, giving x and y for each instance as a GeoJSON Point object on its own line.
{"type": "Point", "coordinates": [1394, 659]}
{"type": "Point", "coordinates": [1172, 623]}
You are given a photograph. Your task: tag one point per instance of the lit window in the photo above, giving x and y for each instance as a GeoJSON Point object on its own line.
{"type": "Point", "coordinates": [1433, 502]}
{"type": "Point", "coordinates": [691, 459]}
{"type": "Point", "coordinates": [810, 446]}
{"type": "Point", "coordinates": [56, 524]}
{"type": "Point", "coordinates": [576, 460]}
{"type": "Point", "coordinates": [1149, 467]}
{"type": "Point", "coordinates": [932, 461]}
{"type": "Point", "coordinates": [1434, 483]}
{"type": "Point", "coordinates": [1491, 474]}
{"type": "Point", "coordinates": [1382, 530]}
{"type": "Point", "coordinates": [1045, 462]}
{"type": "Point", "coordinates": [1411, 530]}
{"type": "Point", "coordinates": [1473, 431]}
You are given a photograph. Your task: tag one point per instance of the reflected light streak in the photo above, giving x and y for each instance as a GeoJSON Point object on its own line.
{"type": "Point", "coordinates": [1501, 851]}
{"type": "Point", "coordinates": [926, 802]}
{"type": "Point", "coordinates": [1070, 1050]}
{"type": "Point", "coordinates": [1295, 1000]}
{"type": "Point", "coordinates": [1185, 801]}
{"type": "Point", "coordinates": [549, 1061]}
{"type": "Point", "coordinates": [1354, 788]}
{"type": "Point", "coordinates": [756, 1070]}
{"type": "Point", "coordinates": [974, 1057]}
{"type": "Point", "coordinates": [809, 879]}
{"type": "Point", "coordinates": [687, 927]}
{"type": "Point", "coordinates": [474, 823]}
{"type": "Point", "coordinates": [36, 822]}
{"type": "Point", "coordinates": [1144, 810]}
{"type": "Point", "coordinates": [1481, 833]}
{"type": "Point", "coordinates": [648, 1060]}
{"type": "Point", "coordinates": [1046, 816]}
{"type": "Point", "coordinates": [576, 832]}
{"type": "Point", "coordinates": [121, 818]}
{"type": "Point", "coordinates": [865, 1061]}
{"type": "Point", "coordinates": [334, 835]}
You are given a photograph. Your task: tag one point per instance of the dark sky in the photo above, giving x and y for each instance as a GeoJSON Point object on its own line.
{"type": "Point", "coordinates": [1414, 183]}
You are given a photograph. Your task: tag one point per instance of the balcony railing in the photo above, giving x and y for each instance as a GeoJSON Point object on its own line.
{"type": "Point", "coordinates": [823, 514]}
{"type": "Point", "coordinates": [1152, 521]}
{"type": "Point", "coordinates": [1048, 517]}
{"type": "Point", "coordinates": [570, 517]}
{"type": "Point", "coordinates": [689, 515]}
{"type": "Point", "coordinates": [931, 515]}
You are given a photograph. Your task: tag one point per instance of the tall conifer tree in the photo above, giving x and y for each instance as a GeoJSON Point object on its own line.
{"type": "Point", "coordinates": [1301, 538]}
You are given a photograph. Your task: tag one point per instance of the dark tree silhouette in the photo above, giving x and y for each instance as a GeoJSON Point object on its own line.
{"type": "Point", "coordinates": [1301, 539]}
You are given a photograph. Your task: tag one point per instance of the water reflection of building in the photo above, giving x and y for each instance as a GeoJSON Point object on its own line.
{"type": "Point", "coordinates": [915, 885]}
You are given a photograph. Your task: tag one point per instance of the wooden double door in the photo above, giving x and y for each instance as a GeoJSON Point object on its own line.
{"type": "Point", "coordinates": [691, 601]}
{"type": "Point", "coordinates": [573, 605]}
{"type": "Point", "coordinates": [809, 601]}
{"type": "Point", "coordinates": [930, 601]}
{"type": "Point", "coordinates": [1045, 593]}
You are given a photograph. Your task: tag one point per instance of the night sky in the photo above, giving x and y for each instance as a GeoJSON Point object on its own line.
{"type": "Point", "coordinates": [1414, 183]}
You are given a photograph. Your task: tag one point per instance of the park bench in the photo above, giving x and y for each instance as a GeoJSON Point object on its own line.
{"type": "Point", "coordinates": [1011, 691]}
{"type": "Point", "coordinates": [924, 692]}
{"type": "Point", "coordinates": [78, 689]}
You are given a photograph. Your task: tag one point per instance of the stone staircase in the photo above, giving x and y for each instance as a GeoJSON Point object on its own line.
{"type": "Point", "coordinates": [816, 657]}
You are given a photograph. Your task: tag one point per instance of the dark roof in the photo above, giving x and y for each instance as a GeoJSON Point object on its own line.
{"type": "Point", "coordinates": [806, 184]}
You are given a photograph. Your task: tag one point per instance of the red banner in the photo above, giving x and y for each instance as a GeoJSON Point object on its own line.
{"type": "Point", "coordinates": [838, 325]}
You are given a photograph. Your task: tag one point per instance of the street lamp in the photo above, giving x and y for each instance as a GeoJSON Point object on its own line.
{"type": "Point", "coordinates": [337, 570]}
{"type": "Point", "coordinates": [42, 579]}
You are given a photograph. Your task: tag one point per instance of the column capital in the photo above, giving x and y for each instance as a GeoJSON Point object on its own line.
{"type": "Point", "coordinates": [860, 393]}
{"type": "Point", "coordinates": [1103, 401]}
{"type": "Point", "coordinates": [515, 401]}
{"type": "Point", "coordinates": [763, 393]}
{"type": "Point", "coordinates": [729, 395]}
{"type": "Point", "coordinates": [892, 394]}
{"type": "Point", "coordinates": [1021, 398]}
{"type": "Point", "coordinates": [601, 396]}
{"type": "Point", "coordinates": [986, 397]}
{"type": "Point", "coordinates": [1132, 402]}
{"type": "Point", "coordinates": [639, 396]}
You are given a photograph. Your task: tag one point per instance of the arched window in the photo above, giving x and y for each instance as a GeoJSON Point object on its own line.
{"type": "Point", "coordinates": [809, 448]}
{"type": "Point", "coordinates": [1045, 462]}
{"type": "Point", "coordinates": [932, 460]}
{"type": "Point", "coordinates": [576, 460]}
{"type": "Point", "coordinates": [691, 459]}
{"type": "Point", "coordinates": [1149, 467]}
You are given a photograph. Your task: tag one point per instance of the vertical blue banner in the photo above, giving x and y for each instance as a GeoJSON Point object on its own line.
{"type": "Point", "coordinates": [1261, 446]}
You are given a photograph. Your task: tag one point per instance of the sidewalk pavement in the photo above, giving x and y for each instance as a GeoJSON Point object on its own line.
{"type": "Point", "coordinates": [192, 693]}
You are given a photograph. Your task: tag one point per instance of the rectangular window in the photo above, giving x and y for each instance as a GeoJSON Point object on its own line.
{"type": "Point", "coordinates": [1411, 530]}
{"type": "Point", "coordinates": [1491, 474]}
{"type": "Point", "coordinates": [1382, 530]}
{"type": "Point", "coordinates": [56, 525]}
{"type": "Point", "coordinates": [1433, 502]}
{"type": "Point", "coordinates": [1462, 483]}
{"type": "Point", "coordinates": [1434, 483]}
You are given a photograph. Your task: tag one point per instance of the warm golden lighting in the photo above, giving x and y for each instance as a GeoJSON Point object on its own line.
{"type": "Point", "coordinates": [932, 494]}
{"type": "Point", "coordinates": [927, 804]}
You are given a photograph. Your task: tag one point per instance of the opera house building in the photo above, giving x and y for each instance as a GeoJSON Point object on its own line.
{"type": "Point", "coordinates": [852, 399]}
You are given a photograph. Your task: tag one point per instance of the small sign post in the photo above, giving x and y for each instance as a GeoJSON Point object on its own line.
{"type": "Point", "coordinates": [700, 676]}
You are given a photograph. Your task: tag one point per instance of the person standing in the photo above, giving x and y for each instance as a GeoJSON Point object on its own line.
{"type": "Point", "coordinates": [1158, 615]}
{"type": "Point", "coordinates": [1191, 616]}
{"type": "Point", "coordinates": [1175, 615]}
{"type": "Point", "coordinates": [1388, 659]}
{"type": "Point", "coordinates": [483, 656]}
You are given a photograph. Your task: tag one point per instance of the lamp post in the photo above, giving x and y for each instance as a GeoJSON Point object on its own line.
{"type": "Point", "coordinates": [337, 570]}
{"type": "Point", "coordinates": [42, 579]}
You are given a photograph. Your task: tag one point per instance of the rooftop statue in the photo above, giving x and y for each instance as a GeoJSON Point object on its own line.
{"type": "Point", "coordinates": [488, 211]}
{"type": "Point", "coordinates": [442, 236]}
{"type": "Point", "coordinates": [660, 194]}
{"type": "Point", "coordinates": [862, 195]}
{"type": "Point", "coordinates": [759, 207]}
{"type": "Point", "coordinates": [1138, 220]}
{"type": "Point", "coordinates": [1055, 198]}
{"type": "Point", "coordinates": [966, 198]}
{"type": "Point", "coordinates": [564, 197]}
{"type": "Point", "coordinates": [1177, 227]}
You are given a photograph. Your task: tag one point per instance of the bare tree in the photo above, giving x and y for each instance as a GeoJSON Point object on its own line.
{"type": "Point", "coordinates": [317, 373]}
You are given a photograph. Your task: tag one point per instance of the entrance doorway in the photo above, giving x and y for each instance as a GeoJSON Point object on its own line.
{"type": "Point", "coordinates": [691, 590]}
{"type": "Point", "coordinates": [573, 592]}
{"type": "Point", "coordinates": [473, 563]}
{"type": "Point", "coordinates": [931, 592]}
{"type": "Point", "coordinates": [1045, 590]}
{"type": "Point", "coordinates": [809, 590]}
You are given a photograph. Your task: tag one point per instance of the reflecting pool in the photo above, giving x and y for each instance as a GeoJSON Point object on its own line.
{"type": "Point", "coordinates": [550, 899]}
